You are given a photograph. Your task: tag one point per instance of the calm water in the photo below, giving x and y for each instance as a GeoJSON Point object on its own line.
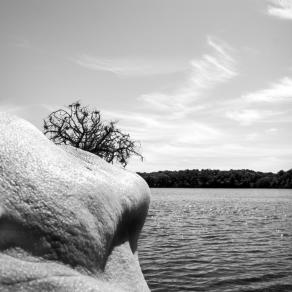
{"type": "Point", "coordinates": [218, 240]}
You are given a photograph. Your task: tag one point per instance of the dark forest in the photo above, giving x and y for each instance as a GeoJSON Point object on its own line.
{"type": "Point", "coordinates": [207, 178]}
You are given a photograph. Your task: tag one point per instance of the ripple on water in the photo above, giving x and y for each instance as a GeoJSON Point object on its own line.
{"type": "Point", "coordinates": [218, 240]}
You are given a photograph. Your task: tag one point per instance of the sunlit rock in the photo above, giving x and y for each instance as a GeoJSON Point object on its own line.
{"type": "Point", "coordinates": [69, 221]}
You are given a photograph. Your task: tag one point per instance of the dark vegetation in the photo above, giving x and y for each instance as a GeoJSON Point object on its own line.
{"type": "Point", "coordinates": [83, 128]}
{"type": "Point", "coordinates": [207, 178]}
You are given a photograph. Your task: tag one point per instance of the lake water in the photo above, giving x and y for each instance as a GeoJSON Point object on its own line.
{"type": "Point", "coordinates": [218, 240]}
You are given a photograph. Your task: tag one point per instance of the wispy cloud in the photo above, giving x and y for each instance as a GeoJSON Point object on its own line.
{"type": "Point", "coordinates": [203, 74]}
{"type": "Point", "coordinates": [251, 156]}
{"type": "Point", "coordinates": [271, 130]}
{"type": "Point", "coordinates": [156, 128]}
{"type": "Point", "coordinates": [266, 105]}
{"type": "Point", "coordinates": [280, 8]}
{"type": "Point", "coordinates": [166, 125]}
{"type": "Point", "coordinates": [130, 67]}
{"type": "Point", "coordinates": [249, 116]}
{"type": "Point", "coordinates": [213, 68]}
{"type": "Point", "coordinates": [223, 150]}
{"type": "Point", "coordinates": [277, 92]}
{"type": "Point", "coordinates": [245, 117]}
{"type": "Point", "coordinates": [252, 136]}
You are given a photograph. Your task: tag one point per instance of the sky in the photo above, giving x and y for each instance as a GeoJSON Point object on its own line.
{"type": "Point", "coordinates": [201, 84]}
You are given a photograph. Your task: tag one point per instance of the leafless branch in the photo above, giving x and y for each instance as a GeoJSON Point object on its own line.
{"type": "Point", "coordinates": [83, 128]}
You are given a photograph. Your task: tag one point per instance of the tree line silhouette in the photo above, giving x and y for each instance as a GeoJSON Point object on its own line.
{"type": "Point", "coordinates": [208, 178]}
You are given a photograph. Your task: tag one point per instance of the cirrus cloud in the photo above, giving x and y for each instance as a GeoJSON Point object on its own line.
{"type": "Point", "coordinates": [276, 92]}
{"type": "Point", "coordinates": [280, 8]}
{"type": "Point", "coordinates": [216, 67]}
{"type": "Point", "coordinates": [129, 67]}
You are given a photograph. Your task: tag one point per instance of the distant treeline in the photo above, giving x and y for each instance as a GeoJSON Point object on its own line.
{"type": "Point", "coordinates": [208, 178]}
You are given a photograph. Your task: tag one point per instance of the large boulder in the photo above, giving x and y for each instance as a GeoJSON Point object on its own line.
{"type": "Point", "coordinates": [69, 221]}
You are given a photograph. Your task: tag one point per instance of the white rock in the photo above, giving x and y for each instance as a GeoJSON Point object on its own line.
{"type": "Point", "coordinates": [69, 221]}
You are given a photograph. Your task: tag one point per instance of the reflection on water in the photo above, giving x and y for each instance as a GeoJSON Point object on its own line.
{"type": "Point", "coordinates": [218, 240]}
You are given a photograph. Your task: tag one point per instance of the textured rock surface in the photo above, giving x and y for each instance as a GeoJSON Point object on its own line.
{"type": "Point", "coordinates": [68, 220]}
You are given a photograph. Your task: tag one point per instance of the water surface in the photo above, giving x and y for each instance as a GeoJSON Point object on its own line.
{"type": "Point", "coordinates": [218, 240]}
